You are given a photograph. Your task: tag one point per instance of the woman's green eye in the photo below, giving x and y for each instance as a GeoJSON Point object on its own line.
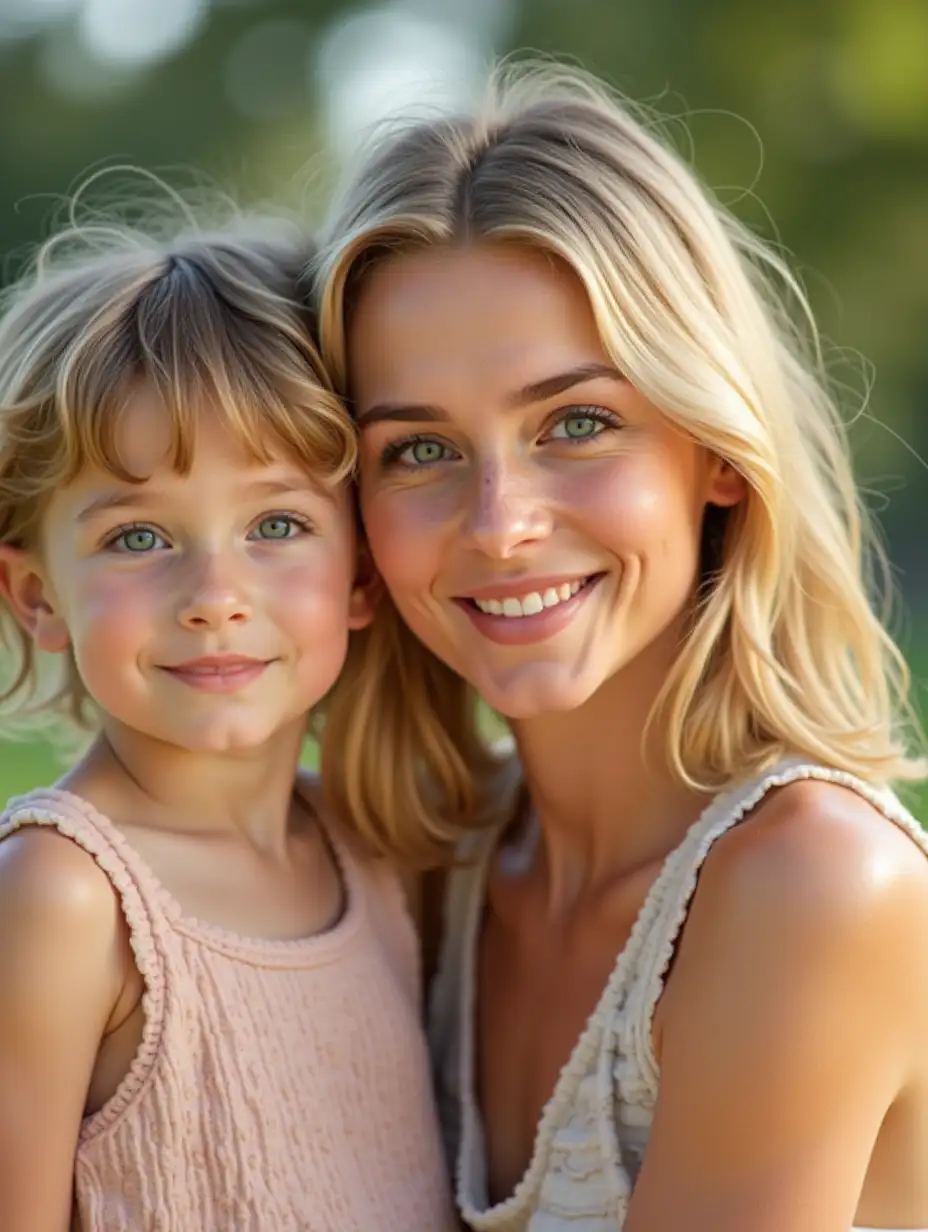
{"type": "Point", "coordinates": [577, 427]}
{"type": "Point", "coordinates": [423, 453]}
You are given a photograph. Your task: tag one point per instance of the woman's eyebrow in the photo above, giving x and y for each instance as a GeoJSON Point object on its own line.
{"type": "Point", "coordinates": [535, 391]}
{"type": "Point", "coordinates": [551, 386]}
{"type": "Point", "coordinates": [407, 412]}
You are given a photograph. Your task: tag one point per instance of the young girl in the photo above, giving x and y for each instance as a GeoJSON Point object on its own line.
{"type": "Point", "coordinates": [686, 986]}
{"type": "Point", "coordinates": [209, 1012]}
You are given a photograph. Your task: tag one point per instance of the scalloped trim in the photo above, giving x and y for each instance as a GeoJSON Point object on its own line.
{"type": "Point", "coordinates": [39, 809]}
{"type": "Point", "coordinates": [470, 1165]}
{"type": "Point", "coordinates": [624, 1013]}
{"type": "Point", "coordinates": [679, 878]}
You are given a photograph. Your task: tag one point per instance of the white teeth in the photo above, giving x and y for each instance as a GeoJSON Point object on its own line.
{"type": "Point", "coordinates": [530, 604]}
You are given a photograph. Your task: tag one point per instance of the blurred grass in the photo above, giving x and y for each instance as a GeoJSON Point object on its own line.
{"type": "Point", "coordinates": [24, 766]}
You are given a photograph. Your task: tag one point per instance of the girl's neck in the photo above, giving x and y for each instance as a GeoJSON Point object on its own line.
{"type": "Point", "coordinates": [607, 804]}
{"type": "Point", "coordinates": [129, 776]}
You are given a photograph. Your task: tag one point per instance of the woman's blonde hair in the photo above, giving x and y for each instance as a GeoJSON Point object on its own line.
{"type": "Point", "coordinates": [786, 653]}
{"type": "Point", "coordinates": [213, 318]}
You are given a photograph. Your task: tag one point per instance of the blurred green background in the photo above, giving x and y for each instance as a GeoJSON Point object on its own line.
{"type": "Point", "coordinates": [808, 117]}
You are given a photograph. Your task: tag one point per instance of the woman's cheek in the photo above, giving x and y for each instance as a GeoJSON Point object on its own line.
{"type": "Point", "coordinates": [406, 532]}
{"type": "Point", "coordinates": [631, 503]}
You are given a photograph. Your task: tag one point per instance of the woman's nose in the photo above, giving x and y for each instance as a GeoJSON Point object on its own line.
{"type": "Point", "coordinates": [507, 510]}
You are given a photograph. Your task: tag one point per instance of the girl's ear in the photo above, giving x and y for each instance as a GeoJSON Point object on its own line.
{"type": "Point", "coordinates": [25, 591]}
{"type": "Point", "coordinates": [726, 486]}
{"type": "Point", "coordinates": [366, 593]}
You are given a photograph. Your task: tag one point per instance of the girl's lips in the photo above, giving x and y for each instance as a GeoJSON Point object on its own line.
{"type": "Point", "coordinates": [218, 675]}
{"type": "Point", "coordinates": [524, 630]}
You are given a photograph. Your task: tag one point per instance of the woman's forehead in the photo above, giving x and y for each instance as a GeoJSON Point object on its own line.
{"type": "Point", "coordinates": [504, 316]}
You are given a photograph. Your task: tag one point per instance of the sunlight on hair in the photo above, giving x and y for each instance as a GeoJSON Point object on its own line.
{"type": "Point", "coordinates": [787, 651]}
{"type": "Point", "coordinates": [209, 314]}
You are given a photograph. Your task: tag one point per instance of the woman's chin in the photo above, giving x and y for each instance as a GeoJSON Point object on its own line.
{"type": "Point", "coordinates": [533, 691]}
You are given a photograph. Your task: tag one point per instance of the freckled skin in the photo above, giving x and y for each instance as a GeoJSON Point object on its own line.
{"type": "Point", "coordinates": [467, 486]}
{"type": "Point", "coordinates": [513, 496]}
{"type": "Point", "coordinates": [210, 583]}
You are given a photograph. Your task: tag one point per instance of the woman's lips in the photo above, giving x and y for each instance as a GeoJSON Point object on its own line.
{"type": "Point", "coordinates": [528, 612]}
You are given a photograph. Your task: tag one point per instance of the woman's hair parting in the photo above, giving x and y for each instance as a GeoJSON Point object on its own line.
{"type": "Point", "coordinates": [787, 651]}
{"type": "Point", "coordinates": [213, 318]}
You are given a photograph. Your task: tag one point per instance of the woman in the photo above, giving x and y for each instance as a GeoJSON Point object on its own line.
{"type": "Point", "coordinates": [607, 492]}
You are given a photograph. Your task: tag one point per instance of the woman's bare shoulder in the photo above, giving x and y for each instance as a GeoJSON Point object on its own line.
{"type": "Point", "coordinates": [825, 847]}
{"type": "Point", "coordinates": [795, 1014]}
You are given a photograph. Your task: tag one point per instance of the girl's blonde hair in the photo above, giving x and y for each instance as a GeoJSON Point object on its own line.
{"type": "Point", "coordinates": [785, 653]}
{"type": "Point", "coordinates": [205, 318]}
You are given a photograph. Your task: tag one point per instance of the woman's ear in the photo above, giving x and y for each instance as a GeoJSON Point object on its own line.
{"type": "Point", "coordinates": [25, 591]}
{"type": "Point", "coordinates": [366, 592]}
{"type": "Point", "coordinates": [726, 485]}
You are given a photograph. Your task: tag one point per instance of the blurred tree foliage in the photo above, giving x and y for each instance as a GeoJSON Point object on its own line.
{"type": "Point", "coordinates": [813, 113]}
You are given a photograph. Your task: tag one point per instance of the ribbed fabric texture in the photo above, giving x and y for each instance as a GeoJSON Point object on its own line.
{"type": "Point", "coordinates": [281, 1086]}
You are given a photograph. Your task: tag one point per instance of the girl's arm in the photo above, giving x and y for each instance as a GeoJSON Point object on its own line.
{"type": "Point", "coordinates": [62, 964]}
{"type": "Point", "coordinates": [792, 1022]}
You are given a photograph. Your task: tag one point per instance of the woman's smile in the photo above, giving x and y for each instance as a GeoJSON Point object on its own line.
{"type": "Point", "coordinates": [532, 611]}
{"type": "Point", "coordinates": [536, 520]}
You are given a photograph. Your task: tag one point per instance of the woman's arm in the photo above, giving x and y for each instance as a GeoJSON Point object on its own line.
{"type": "Point", "coordinates": [62, 963]}
{"type": "Point", "coordinates": [792, 1021]}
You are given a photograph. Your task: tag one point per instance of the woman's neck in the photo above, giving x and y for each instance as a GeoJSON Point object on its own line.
{"type": "Point", "coordinates": [604, 796]}
{"type": "Point", "coordinates": [126, 774]}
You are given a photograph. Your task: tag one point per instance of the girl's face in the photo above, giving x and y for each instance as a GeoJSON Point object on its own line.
{"type": "Point", "coordinates": [208, 611]}
{"type": "Point", "coordinates": [536, 520]}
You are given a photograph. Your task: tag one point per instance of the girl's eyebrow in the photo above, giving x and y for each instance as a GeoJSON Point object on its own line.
{"type": "Point", "coordinates": [536, 391]}
{"type": "Point", "coordinates": [297, 483]}
{"type": "Point", "coordinates": [135, 498]}
{"type": "Point", "coordinates": [108, 501]}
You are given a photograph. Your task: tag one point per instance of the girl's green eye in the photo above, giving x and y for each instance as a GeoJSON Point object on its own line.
{"type": "Point", "coordinates": [276, 528]}
{"type": "Point", "coordinates": [138, 540]}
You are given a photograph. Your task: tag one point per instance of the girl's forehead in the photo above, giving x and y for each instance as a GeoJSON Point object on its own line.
{"type": "Point", "coordinates": [145, 436]}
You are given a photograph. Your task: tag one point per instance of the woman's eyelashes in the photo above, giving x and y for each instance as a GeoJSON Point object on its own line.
{"type": "Point", "coordinates": [574, 424]}
{"type": "Point", "coordinates": [415, 452]}
{"type": "Point", "coordinates": [582, 423]}
{"type": "Point", "coordinates": [142, 539]}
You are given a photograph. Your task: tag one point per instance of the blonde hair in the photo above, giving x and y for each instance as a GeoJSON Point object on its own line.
{"type": "Point", "coordinates": [212, 318]}
{"type": "Point", "coordinates": [785, 652]}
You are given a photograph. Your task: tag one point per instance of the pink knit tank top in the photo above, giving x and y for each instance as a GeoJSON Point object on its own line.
{"type": "Point", "coordinates": [280, 1086]}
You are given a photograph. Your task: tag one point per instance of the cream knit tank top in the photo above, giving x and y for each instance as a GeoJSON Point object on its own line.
{"type": "Point", "coordinates": [594, 1129]}
{"type": "Point", "coordinates": [280, 1086]}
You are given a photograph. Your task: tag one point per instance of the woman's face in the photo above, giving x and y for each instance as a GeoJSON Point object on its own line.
{"type": "Point", "coordinates": [536, 520]}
